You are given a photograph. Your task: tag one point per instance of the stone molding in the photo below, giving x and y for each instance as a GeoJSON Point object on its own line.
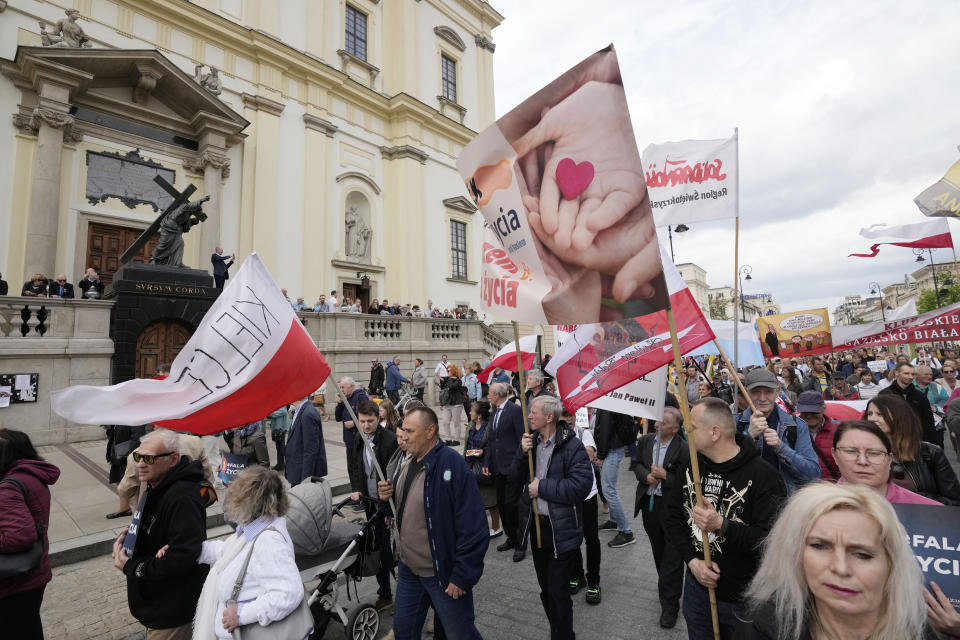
{"type": "Point", "coordinates": [259, 103]}
{"type": "Point", "coordinates": [316, 123]}
{"type": "Point", "coordinates": [29, 123]}
{"type": "Point", "coordinates": [361, 177]}
{"type": "Point", "coordinates": [346, 58]}
{"type": "Point", "coordinates": [484, 43]}
{"type": "Point", "coordinates": [448, 104]}
{"type": "Point", "coordinates": [449, 35]}
{"type": "Point", "coordinates": [459, 203]}
{"type": "Point", "coordinates": [403, 151]}
{"type": "Point", "coordinates": [199, 162]}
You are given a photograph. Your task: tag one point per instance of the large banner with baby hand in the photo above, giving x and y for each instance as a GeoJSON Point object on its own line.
{"type": "Point", "coordinates": [569, 235]}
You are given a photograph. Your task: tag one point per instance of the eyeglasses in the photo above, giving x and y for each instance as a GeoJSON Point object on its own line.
{"type": "Point", "coordinates": [949, 370]}
{"type": "Point", "coordinates": [852, 454]}
{"type": "Point", "coordinates": [61, 280]}
{"type": "Point", "coordinates": [149, 458]}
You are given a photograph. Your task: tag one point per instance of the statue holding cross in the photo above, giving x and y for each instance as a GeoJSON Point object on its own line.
{"type": "Point", "coordinates": [177, 219]}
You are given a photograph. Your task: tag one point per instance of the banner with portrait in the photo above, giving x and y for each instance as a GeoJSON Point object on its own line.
{"type": "Point", "coordinates": [795, 334]}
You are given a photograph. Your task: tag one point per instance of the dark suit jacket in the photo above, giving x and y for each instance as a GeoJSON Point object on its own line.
{"type": "Point", "coordinates": [677, 456]}
{"type": "Point", "coordinates": [384, 445]}
{"type": "Point", "coordinates": [54, 289]}
{"type": "Point", "coordinates": [504, 441]}
{"type": "Point", "coordinates": [306, 452]}
{"type": "Point", "coordinates": [220, 265]}
{"type": "Point", "coordinates": [3, 287]}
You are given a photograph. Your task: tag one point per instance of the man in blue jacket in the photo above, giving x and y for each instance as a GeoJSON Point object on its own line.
{"type": "Point", "coordinates": [306, 453]}
{"type": "Point", "coordinates": [506, 429]}
{"type": "Point", "coordinates": [563, 480]}
{"type": "Point", "coordinates": [783, 439]}
{"type": "Point", "coordinates": [440, 532]}
{"type": "Point", "coordinates": [220, 266]}
{"type": "Point", "coordinates": [394, 380]}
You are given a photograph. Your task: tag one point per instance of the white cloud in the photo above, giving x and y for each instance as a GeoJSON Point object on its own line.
{"type": "Point", "coordinates": [845, 114]}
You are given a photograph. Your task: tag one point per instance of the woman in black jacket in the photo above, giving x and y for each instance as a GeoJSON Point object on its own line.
{"type": "Point", "coordinates": [918, 466]}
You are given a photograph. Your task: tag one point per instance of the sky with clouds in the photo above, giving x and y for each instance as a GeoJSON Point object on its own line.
{"type": "Point", "coordinates": [846, 111]}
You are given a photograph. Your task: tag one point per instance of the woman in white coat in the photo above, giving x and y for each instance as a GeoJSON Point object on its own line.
{"type": "Point", "coordinates": [271, 588]}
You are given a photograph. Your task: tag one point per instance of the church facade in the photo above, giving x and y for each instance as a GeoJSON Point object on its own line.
{"type": "Point", "coordinates": [325, 133]}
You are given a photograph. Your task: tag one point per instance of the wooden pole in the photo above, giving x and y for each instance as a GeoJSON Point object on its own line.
{"type": "Point", "coordinates": [356, 425]}
{"type": "Point", "coordinates": [736, 264]}
{"type": "Point", "coordinates": [736, 377]}
{"type": "Point", "coordinates": [694, 462]}
{"type": "Point", "coordinates": [526, 425]}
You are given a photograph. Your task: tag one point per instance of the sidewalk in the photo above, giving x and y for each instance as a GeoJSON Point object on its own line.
{"type": "Point", "coordinates": [82, 497]}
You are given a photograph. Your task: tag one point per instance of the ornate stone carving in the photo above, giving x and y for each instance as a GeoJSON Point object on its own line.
{"type": "Point", "coordinates": [484, 43]}
{"type": "Point", "coordinates": [403, 151]}
{"type": "Point", "coordinates": [24, 122]}
{"type": "Point", "coordinates": [451, 36]}
{"type": "Point", "coordinates": [358, 234]}
{"type": "Point", "coordinates": [146, 82]}
{"type": "Point", "coordinates": [198, 163]}
{"type": "Point", "coordinates": [209, 81]}
{"type": "Point", "coordinates": [66, 34]}
{"type": "Point", "coordinates": [29, 123]}
{"type": "Point", "coordinates": [52, 117]}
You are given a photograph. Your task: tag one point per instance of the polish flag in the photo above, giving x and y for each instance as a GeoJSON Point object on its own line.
{"type": "Point", "coordinates": [843, 410]}
{"type": "Point", "coordinates": [929, 234]}
{"type": "Point", "coordinates": [249, 356]}
{"type": "Point", "coordinates": [600, 358]}
{"type": "Point", "coordinates": [506, 358]}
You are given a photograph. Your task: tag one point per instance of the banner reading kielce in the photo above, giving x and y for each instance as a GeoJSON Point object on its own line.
{"type": "Point", "coordinates": [932, 326]}
{"type": "Point", "coordinates": [249, 356]}
{"type": "Point", "coordinates": [692, 180]}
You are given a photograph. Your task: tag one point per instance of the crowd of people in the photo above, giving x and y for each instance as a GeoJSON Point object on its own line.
{"type": "Point", "coordinates": [796, 507]}
{"type": "Point", "coordinates": [91, 287]}
{"type": "Point", "coordinates": [335, 303]}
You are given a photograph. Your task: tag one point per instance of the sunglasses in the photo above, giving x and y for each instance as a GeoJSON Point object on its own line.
{"type": "Point", "coordinates": [64, 280]}
{"type": "Point", "coordinates": [148, 458]}
{"type": "Point", "coordinates": [949, 370]}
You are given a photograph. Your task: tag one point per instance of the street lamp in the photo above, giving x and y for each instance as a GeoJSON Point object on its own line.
{"type": "Point", "coordinates": [875, 288]}
{"type": "Point", "coordinates": [680, 228]}
{"type": "Point", "coordinates": [933, 269]}
{"type": "Point", "coordinates": [743, 274]}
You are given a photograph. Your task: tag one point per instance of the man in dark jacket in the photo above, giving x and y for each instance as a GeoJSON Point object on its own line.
{"type": "Point", "coordinates": [903, 386]}
{"type": "Point", "coordinates": [562, 481]}
{"type": "Point", "coordinates": [162, 592]}
{"type": "Point", "coordinates": [659, 456]}
{"type": "Point", "coordinates": [60, 288]}
{"type": "Point", "coordinates": [221, 266]}
{"type": "Point", "coordinates": [4, 287]}
{"type": "Point", "coordinates": [354, 396]}
{"type": "Point", "coordinates": [441, 532]}
{"type": "Point", "coordinates": [613, 433]}
{"type": "Point", "coordinates": [394, 380]}
{"type": "Point", "coordinates": [506, 425]}
{"type": "Point", "coordinates": [377, 378]}
{"type": "Point", "coordinates": [742, 495]}
{"type": "Point", "coordinates": [306, 451]}
{"type": "Point", "coordinates": [363, 482]}
{"type": "Point", "coordinates": [91, 286]}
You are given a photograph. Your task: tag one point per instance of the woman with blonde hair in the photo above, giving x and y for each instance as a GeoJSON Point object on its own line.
{"type": "Point", "coordinates": [270, 589]}
{"type": "Point", "coordinates": [836, 565]}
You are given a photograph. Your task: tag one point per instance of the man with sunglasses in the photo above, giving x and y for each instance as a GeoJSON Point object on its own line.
{"type": "Point", "coordinates": [162, 592]}
{"type": "Point", "coordinates": [60, 288]}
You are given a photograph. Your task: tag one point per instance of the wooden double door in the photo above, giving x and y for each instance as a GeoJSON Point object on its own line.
{"type": "Point", "coordinates": [107, 242]}
{"type": "Point", "coordinates": [159, 343]}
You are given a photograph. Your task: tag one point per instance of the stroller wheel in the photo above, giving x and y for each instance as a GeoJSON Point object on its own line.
{"type": "Point", "coordinates": [321, 618]}
{"type": "Point", "coordinates": [364, 623]}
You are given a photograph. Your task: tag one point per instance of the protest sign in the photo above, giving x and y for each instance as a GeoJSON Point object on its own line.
{"type": "Point", "coordinates": [934, 535]}
{"type": "Point", "coordinates": [248, 356]}
{"type": "Point", "coordinates": [692, 180]}
{"type": "Point", "coordinates": [932, 326]}
{"type": "Point", "coordinates": [642, 397]}
{"type": "Point", "coordinates": [231, 465]}
{"type": "Point", "coordinates": [942, 199]}
{"type": "Point", "coordinates": [878, 366]}
{"type": "Point", "coordinates": [798, 333]}
{"type": "Point", "coordinates": [569, 235]}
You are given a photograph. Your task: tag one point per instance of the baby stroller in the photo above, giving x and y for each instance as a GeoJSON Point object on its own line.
{"type": "Point", "coordinates": [336, 553]}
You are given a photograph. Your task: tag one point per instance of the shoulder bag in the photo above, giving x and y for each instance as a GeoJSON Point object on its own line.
{"type": "Point", "coordinates": [296, 626]}
{"type": "Point", "coordinates": [17, 564]}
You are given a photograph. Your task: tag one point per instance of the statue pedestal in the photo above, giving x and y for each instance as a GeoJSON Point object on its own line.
{"type": "Point", "coordinates": [150, 293]}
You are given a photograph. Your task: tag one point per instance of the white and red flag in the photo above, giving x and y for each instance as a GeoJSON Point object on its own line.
{"type": "Point", "coordinates": [692, 180]}
{"type": "Point", "coordinates": [249, 356]}
{"type": "Point", "coordinates": [929, 234]}
{"type": "Point", "coordinates": [506, 358]}
{"type": "Point", "coordinates": [600, 358]}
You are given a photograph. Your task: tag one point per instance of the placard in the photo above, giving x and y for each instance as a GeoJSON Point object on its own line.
{"type": "Point", "coordinates": [18, 387]}
{"type": "Point", "coordinates": [878, 366]}
{"type": "Point", "coordinates": [231, 465]}
{"type": "Point", "coordinates": [934, 536]}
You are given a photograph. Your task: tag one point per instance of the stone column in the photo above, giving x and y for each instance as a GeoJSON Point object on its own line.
{"type": "Point", "coordinates": [215, 167]}
{"type": "Point", "coordinates": [51, 118]}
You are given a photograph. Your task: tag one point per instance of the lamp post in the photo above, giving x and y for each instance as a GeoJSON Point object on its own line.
{"type": "Point", "coordinates": [875, 288]}
{"type": "Point", "coordinates": [680, 228]}
{"type": "Point", "coordinates": [744, 274]}
{"type": "Point", "coordinates": [933, 269]}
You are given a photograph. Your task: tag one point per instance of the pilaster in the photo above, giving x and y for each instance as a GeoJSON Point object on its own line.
{"type": "Point", "coordinates": [405, 221]}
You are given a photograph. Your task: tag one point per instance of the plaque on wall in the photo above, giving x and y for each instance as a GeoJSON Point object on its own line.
{"type": "Point", "coordinates": [17, 387]}
{"type": "Point", "coordinates": [127, 177]}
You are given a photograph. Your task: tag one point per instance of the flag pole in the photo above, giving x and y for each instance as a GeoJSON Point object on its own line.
{"type": "Point", "coordinates": [367, 443]}
{"type": "Point", "coordinates": [736, 259]}
{"type": "Point", "coordinates": [736, 377]}
{"type": "Point", "coordinates": [694, 463]}
{"type": "Point", "coordinates": [526, 424]}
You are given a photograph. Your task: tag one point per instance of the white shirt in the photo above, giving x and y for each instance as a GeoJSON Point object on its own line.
{"type": "Point", "coordinates": [586, 437]}
{"type": "Point", "coordinates": [868, 391]}
{"type": "Point", "coordinates": [441, 369]}
{"type": "Point", "coordinates": [333, 303]}
{"type": "Point", "coordinates": [946, 385]}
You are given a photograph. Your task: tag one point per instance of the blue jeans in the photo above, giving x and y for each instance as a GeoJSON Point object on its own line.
{"type": "Point", "coordinates": [696, 611]}
{"type": "Point", "coordinates": [415, 595]}
{"type": "Point", "coordinates": [608, 478]}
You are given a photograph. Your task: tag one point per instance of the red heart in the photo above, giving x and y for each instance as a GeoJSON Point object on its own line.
{"type": "Point", "coordinates": [573, 178]}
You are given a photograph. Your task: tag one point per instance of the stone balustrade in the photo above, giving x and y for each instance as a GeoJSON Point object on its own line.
{"type": "Point", "coordinates": [65, 342]}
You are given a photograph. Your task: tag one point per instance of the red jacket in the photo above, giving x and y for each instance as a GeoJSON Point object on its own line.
{"type": "Point", "coordinates": [823, 442]}
{"type": "Point", "coordinates": [17, 528]}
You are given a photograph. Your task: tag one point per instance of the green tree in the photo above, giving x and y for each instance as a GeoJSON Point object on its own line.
{"type": "Point", "coordinates": [927, 301]}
